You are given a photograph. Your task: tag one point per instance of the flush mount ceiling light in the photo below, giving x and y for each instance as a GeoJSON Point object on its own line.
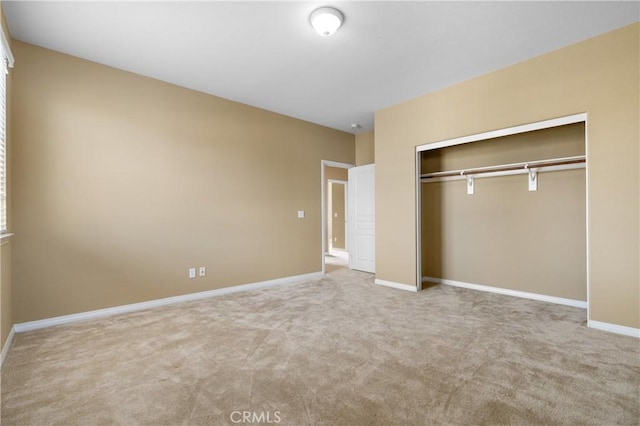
{"type": "Point", "coordinates": [326, 20]}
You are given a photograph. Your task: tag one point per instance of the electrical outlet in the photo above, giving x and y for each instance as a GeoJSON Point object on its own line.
{"type": "Point", "coordinates": [203, 271]}
{"type": "Point", "coordinates": [300, 214]}
{"type": "Point", "coordinates": [192, 272]}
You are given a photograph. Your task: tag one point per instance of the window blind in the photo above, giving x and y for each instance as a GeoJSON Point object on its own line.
{"type": "Point", "coordinates": [4, 69]}
{"type": "Point", "coordinates": [6, 61]}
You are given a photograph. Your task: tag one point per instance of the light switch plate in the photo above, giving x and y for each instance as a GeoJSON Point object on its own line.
{"type": "Point", "coordinates": [300, 214]}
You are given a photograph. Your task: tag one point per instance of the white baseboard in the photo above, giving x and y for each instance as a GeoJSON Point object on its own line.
{"type": "Point", "coordinates": [100, 313]}
{"type": "Point", "coordinates": [507, 292]}
{"type": "Point", "coordinates": [6, 346]}
{"type": "Point", "coordinates": [614, 328]}
{"type": "Point", "coordinates": [392, 284]}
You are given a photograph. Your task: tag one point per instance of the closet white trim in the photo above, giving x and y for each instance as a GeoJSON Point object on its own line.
{"type": "Point", "coordinates": [524, 128]}
{"type": "Point", "coordinates": [614, 328]}
{"type": "Point", "coordinates": [509, 292]}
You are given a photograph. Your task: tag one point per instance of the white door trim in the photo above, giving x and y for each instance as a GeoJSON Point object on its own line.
{"type": "Point", "coordinates": [507, 131]}
{"type": "Point", "coordinates": [323, 204]}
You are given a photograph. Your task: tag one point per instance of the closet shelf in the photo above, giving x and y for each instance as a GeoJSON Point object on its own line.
{"type": "Point", "coordinates": [555, 164]}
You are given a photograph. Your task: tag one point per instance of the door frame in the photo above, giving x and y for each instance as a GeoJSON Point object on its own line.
{"type": "Point", "coordinates": [323, 204]}
{"type": "Point", "coordinates": [539, 125]}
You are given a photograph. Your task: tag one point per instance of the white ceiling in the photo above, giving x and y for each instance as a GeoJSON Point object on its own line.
{"type": "Point", "coordinates": [266, 54]}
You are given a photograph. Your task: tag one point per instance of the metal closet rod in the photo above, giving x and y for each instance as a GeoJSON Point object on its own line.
{"type": "Point", "coordinates": [508, 167]}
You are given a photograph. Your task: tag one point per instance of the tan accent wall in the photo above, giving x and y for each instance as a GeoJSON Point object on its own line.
{"type": "Point", "coordinates": [555, 142]}
{"type": "Point", "coordinates": [123, 182]}
{"type": "Point", "coordinates": [365, 149]}
{"type": "Point", "coordinates": [338, 216]}
{"type": "Point", "coordinates": [503, 235]}
{"type": "Point", "coordinates": [598, 76]}
{"type": "Point", "coordinates": [336, 173]}
{"type": "Point", "coordinates": [6, 299]}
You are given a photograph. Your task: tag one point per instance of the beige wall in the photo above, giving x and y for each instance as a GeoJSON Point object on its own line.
{"type": "Point", "coordinates": [336, 173]}
{"type": "Point", "coordinates": [6, 300]}
{"type": "Point", "coordinates": [555, 142]}
{"type": "Point", "coordinates": [121, 183]}
{"type": "Point", "coordinates": [598, 76]}
{"type": "Point", "coordinates": [504, 235]}
{"type": "Point", "coordinates": [338, 216]}
{"type": "Point", "coordinates": [365, 149]}
{"type": "Point", "coordinates": [6, 310]}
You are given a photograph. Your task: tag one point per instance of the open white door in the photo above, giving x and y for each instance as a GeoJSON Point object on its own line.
{"type": "Point", "coordinates": [362, 230]}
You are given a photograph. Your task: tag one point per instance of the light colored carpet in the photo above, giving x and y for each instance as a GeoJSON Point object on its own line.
{"type": "Point", "coordinates": [337, 351]}
{"type": "Point", "coordinates": [334, 262]}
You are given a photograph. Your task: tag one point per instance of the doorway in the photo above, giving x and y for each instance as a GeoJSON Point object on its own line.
{"type": "Point", "coordinates": [335, 226]}
{"type": "Point", "coordinates": [337, 216]}
{"type": "Point", "coordinates": [337, 240]}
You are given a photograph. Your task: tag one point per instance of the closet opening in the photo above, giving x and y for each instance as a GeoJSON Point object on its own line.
{"type": "Point", "coordinates": [506, 212]}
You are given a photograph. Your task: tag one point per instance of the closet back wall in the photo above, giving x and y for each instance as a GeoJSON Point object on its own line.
{"type": "Point", "coordinates": [504, 235]}
{"type": "Point", "coordinates": [122, 183]}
